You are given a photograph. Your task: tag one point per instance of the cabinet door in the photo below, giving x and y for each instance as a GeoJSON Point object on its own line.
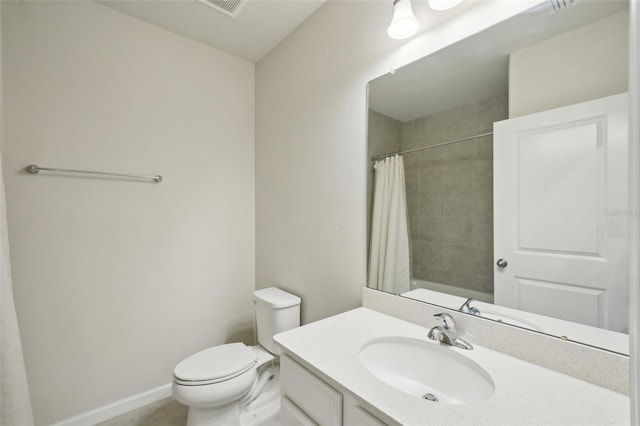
{"type": "Point", "coordinates": [319, 401]}
{"type": "Point", "coordinates": [290, 415]}
{"type": "Point", "coordinates": [355, 415]}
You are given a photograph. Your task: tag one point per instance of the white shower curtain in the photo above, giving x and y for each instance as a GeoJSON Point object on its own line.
{"type": "Point", "coordinates": [15, 402]}
{"type": "Point", "coordinates": [389, 255]}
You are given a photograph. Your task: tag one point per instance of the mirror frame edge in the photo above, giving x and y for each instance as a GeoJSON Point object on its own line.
{"type": "Point", "coordinates": [634, 204]}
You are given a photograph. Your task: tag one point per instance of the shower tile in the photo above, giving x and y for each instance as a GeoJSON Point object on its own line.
{"type": "Point", "coordinates": [411, 135]}
{"type": "Point", "coordinates": [460, 151]}
{"type": "Point", "coordinates": [483, 262]}
{"type": "Point", "coordinates": [416, 271]}
{"type": "Point", "coordinates": [414, 219]}
{"type": "Point", "coordinates": [412, 180]}
{"type": "Point", "coordinates": [482, 237]}
{"type": "Point", "coordinates": [414, 225]}
{"type": "Point", "coordinates": [416, 159]}
{"type": "Point", "coordinates": [432, 180]}
{"type": "Point", "coordinates": [484, 147]}
{"type": "Point", "coordinates": [433, 275]}
{"type": "Point", "coordinates": [458, 204]}
{"type": "Point", "coordinates": [433, 253]}
{"type": "Point", "coordinates": [483, 169]}
{"type": "Point", "coordinates": [458, 258]}
{"type": "Point", "coordinates": [432, 218]}
{"type": "Point", "coordinates": [482, 200]}
{"type": "Point", "coordinates": [413, 201]}
{"type": "Point", "coordinates": [459, 177]}
{"type": "Point", "coordinates": [432, 131]}
{"type": "Point", "coordinates": [434, 156]}
{"type": "Point", "coordinates": [411, 162]}
{"type": "Point", "coordinates": [432, 228]}
{"type": "Point", "coordinates": [431, 197]}
{"type": "Point", "coordinates": [484, 283]}
{"type": "Point", "coordinates": [460, 278]}
{"type": "Point", "coordinates": [417, 254]}
{"type": "Point", "coordinates": [458, 229]}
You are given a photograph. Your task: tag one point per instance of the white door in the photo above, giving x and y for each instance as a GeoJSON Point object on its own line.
{"type": "Point", "coordinates": [561, 213]}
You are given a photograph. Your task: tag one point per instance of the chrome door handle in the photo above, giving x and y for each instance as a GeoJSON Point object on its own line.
{"type": "Point", "coordinates": [502, 263]}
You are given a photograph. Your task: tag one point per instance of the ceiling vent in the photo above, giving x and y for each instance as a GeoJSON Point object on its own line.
{"type": "Point", "coordinates": [228, 7]}
{"type": "Point", "coordinates": [559, 5]}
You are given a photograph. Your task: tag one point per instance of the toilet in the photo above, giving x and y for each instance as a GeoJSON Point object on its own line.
{"type": "Point", "coordinates": [235, 384]}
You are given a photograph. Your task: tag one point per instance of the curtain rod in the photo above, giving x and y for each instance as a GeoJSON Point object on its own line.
{"type": "Point", "coordinates": [34, 169]}
{"type": "Point", "coordinates": [380, 157]}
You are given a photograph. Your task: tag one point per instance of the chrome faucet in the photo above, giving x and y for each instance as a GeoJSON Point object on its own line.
{"type": "Point", "coordinates": [446, 333]}
{"type": "Point", "coordinates": [468, 309]}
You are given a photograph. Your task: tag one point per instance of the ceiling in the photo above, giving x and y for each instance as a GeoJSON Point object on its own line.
{"type": "Point", "coordinates": [476, 68]}
{"type": "Point", "coordinates": [258, 27]}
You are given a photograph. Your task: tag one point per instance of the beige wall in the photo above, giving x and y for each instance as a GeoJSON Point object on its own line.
{"type": "Point", "coordinates": [587, 63]}
{"type": "Point", "coordinates": [115, 280]}
{"type": "Point", "coordinates": [311, 155]}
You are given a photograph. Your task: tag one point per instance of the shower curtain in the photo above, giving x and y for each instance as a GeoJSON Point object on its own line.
{"type": "Point", "coordinates": [389, 255]}
{"type": "Point", "coordinates": [15, 402]}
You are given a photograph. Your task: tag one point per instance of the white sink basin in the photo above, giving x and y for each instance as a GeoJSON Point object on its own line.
{"type": "Point", "coordinates": [427, 370]}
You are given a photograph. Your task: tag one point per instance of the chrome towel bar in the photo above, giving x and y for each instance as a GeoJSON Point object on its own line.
{"type": "Point", "coordinates": [34, 169]}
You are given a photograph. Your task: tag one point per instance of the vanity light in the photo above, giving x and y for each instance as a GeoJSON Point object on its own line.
{"type": "Point", "coordinates": [443, 4]}
{"type": "Point", "coordinates": [404, 24]}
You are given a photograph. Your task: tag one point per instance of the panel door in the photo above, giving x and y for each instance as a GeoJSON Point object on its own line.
{"type": "Point", "coordinates": [561, 213]}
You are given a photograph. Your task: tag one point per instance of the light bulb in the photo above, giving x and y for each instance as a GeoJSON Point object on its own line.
{"type": "Point", "coordinates": [443, 4]}
{"type": "Point", "coordinates": [404, 24]}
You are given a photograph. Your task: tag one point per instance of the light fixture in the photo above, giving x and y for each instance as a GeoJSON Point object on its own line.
{"type": "Point", "coordinates": [443, 4]}
{"type": "Point", "coordinates": [404, 24]}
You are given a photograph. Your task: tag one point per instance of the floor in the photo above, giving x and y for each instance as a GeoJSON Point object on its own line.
{"type": "Point", "coordinates": [167, 412]}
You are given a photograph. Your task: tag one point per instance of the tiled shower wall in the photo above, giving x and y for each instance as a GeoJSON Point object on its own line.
{"type": "Point", "coordinates": [450, 195]}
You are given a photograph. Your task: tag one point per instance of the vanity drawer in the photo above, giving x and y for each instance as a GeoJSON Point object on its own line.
{"type": "Point", "coordinates": [290, 415]}
{"type": "Point", "coordinates": [356, 415]}
{"type": "Point", "coordinates": [318, 400]}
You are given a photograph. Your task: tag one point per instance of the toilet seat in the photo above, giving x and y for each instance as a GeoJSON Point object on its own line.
{"type": "Point", "coordinates": [215, 365]}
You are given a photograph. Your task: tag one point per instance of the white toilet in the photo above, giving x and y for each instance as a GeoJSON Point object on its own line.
{"type": "Point", "coordinates": [235, 384]}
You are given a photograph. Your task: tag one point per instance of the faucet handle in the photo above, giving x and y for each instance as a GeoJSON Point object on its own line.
{"type": "Point", "coordinates": [468, 309]}
{"type": "Point", "coordinates": [448, 323]}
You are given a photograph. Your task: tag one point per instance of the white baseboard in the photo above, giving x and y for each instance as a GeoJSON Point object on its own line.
{"type": "Point", "coordinates": [125, 405]}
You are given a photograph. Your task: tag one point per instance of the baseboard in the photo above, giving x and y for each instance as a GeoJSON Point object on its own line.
{"type": "Point", "coordinates": [122, 406]}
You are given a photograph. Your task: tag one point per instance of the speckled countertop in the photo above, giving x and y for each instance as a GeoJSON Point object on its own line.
{"type": "Point", "coordinates": [525, 393]}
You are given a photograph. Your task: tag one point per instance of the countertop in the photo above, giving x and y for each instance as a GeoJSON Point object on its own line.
{"type": "Point", "coordinates": [525, 393]}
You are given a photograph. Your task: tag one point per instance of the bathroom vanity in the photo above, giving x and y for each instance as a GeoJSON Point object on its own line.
{"type": "Point", "coordinates": [325, 382]}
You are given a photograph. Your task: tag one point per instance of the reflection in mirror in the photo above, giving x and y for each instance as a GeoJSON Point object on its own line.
{"type": "Point", "coordinates": [510, 183]}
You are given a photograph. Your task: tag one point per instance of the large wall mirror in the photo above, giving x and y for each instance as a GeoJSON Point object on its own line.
{"type": "Point", "coordinates": [498, 178]}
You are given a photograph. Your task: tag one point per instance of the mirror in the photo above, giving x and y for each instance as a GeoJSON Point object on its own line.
{"type": "Point", "coordinates": [511, 184]}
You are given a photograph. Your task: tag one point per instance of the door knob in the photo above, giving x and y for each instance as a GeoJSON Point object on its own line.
{"type": "Point", "coordinates": [502, 263]}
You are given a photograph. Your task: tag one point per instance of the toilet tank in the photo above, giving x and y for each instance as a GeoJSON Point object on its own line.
{"type": "Point", "coordinates": [276, 311]}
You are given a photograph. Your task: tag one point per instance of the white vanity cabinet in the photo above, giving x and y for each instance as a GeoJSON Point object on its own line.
{"type": "Point", "coordinates": [356, 415]}
{"type": "Point", "coordinates": [308, 400]}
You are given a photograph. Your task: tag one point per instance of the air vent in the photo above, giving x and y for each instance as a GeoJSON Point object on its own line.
{"type": "Point", "coordinates": [228, 7]}
{"type": "Point", "coordinates": [559, 5]}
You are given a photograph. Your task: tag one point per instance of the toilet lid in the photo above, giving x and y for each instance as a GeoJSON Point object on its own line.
{"type": "Point", "coordinates": [216, 363]}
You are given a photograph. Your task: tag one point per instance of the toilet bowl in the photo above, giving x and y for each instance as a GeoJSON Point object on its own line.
{"type": "Point", "coordinates": [234, 383]}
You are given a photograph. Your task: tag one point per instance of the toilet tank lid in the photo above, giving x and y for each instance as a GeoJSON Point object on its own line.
{"type": "Point", "coordinates": [276, 298]}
